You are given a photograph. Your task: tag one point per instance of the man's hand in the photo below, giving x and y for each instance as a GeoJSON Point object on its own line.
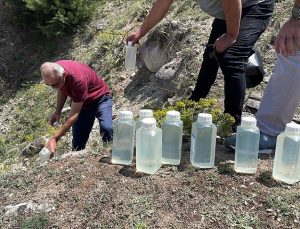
{"type": "Point", "coordinates": [224, 42]}
{"type": "Point", "coordinates": [54, 118]}
{"type": "Point", "coordinates": [156, 14]}
{"type": "Point", "coordinates": [51, 145]}
{"type": "Point", "coordinates": [288, 39]}
{"type": "Point", "coordinates": [134, 37]}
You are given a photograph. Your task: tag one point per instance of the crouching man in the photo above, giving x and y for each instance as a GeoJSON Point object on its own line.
{"type": "Point", "coordinates": [90, 97]}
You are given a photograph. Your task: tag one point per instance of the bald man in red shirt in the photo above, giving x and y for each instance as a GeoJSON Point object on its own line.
{"type": "Point", "coordinates": [91, 98]}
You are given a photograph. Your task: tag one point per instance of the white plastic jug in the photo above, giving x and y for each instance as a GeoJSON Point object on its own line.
{"type": "Point", "coordinates": [130, 58]}
{"type": "Point", "coordinates": [203, 142]}
{"type": "Point", "coordinates": [172, 129]}
{"type": "Point", "coordinates": [123, 139]}
{"type": "Point", "coordinates": [247, 146]}
{"type": "Point", "coordinates": [287, 155]}
{"type": "Point", "coordinates": [44, 154]}
{"type": "Point", "coordinates": [148, 147]}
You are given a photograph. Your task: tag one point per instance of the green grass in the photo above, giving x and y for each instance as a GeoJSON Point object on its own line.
{"type": "Point", "coordinates": [284, 203]}
{"type": "Point", "coordinates": [39, 221]}
{"type": "Point", "coordinates": [140, 225]}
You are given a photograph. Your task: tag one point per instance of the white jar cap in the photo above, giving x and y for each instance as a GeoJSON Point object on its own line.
{"type": "Point", "coordinates": [173, 116]}
{"type": "Point", "coordinates": [292, 128]}
{"type": "Point", "coordinates": [149, 123]}
{"type": "Point", "coordinates": [248, 121]}
{"type": "Point", "coordinates": [125, 115]}
{"type": "Point", "coordinates": [146, 113]}
{"type": "Point", "coordinates": [204, 118]}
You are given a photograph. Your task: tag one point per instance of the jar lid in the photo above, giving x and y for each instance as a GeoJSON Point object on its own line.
{"type": "Point", "coordinates": [146, 113]}
{"type": "Point", "coordinates": [204, 118]}
{"type": "Point", "coordinates": [172, 116]}
{"type": "Point", "coordinates": [292, 128]}
{"type": "Point", "coordinates": [125, 115]}
{"type": "Point", "coordinates": [149, 123]}
{"type": "Point", "coordinates": [248, 121]}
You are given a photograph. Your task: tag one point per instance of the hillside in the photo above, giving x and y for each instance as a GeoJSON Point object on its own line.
{"type": "Point", "coordinates": [84, 190]}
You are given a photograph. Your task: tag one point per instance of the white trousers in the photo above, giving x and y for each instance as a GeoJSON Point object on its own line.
{"type": "Point", "coordinates": [281, 96]}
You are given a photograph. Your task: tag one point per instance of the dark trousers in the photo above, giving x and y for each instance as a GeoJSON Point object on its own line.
{"type": "Point", "coordinates": [102, 110]}
{"type": "Point", "coordinates": [253, 23]}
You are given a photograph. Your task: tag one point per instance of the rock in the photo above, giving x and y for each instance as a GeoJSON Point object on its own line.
{"type": "Point", "coordinates": [75, 154]}
{"type": "Point", "coordinates": [255, 95]}
{"type": "Point", "coordinates": [34, 147]}
{"type": "Point", "coordinates": [154, 56]}
{"type": "Point", "coordinates": [296, 118]}
{"type": "Point", "coordinates": [27, 206]}
{"type": "Point", "coordinates": [167, 71]}
{"type": "Point", "coordinates": [122, 77]}
{"type": "Point", "coordinates": [254, 104]}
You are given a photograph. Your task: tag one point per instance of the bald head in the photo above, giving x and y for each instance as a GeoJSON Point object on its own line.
{"type": "Point", "coordinates": [51, 70]}
{"type": "Point", "coordinates": [52, 73]}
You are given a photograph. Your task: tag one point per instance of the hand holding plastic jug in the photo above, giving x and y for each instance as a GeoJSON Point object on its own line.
{"type": "Point", "coordinates": [44, 154]}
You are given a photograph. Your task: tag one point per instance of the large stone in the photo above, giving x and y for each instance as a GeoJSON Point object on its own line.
{"type": "Point", "coordinates": [254, 104]}
{"type": "Point", "coordinates": [154, 55]}
{"type": "Point", "coordinates": [27, 206]}
{"type": "Point", "coordinates": [165, 78]}
{"type": "Point", "coordinates": [34, 147]}
{"type": "Point", "coordinates": [167, 71]}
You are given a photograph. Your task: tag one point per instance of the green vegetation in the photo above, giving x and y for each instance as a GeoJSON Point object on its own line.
{"type": "Point", "coordinates": [52, 17]}
{"type": "Point", "coordinates": [2, 147]}
{"type": "Point", "coordinates": [39, 221]}
{"type": "Point", "coordinates": [140, 225]}
{"type": "Point", "coordinates": [34, 107]}
{"type": "Point", "coordinates": [284, 204]}
{"type": "Point", "coordinates": [189, 111]}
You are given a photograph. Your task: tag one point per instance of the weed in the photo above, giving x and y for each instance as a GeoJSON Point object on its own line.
{"type": "Point", "coordinates": [242, 220]}
{"type": "Point", "coordinates": [190, 170]}
{"type": "Point", "coordinates": [266, 178]}
{"type": "Point", "coordinates": [189, 111]}
{"type": "Point", "coordinates": [213, 177]}
{"type": "Point", "coordinates": [39, 221]}
{"type": "Point", "coordinates": [283, 204]}
{"type": "Point", "coordinates": [140, 225]}
{"type": "Point", "coordinates": [2, 147]}
{"type": "Point", "coordinates": [226, 168]}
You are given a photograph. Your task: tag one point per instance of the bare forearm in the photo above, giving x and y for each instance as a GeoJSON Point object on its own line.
{"type": "Point", "coordinates": [65, 127]}
{"type": "Point", "coordinates": [297, 3]}
{"type": "Point", "coordinates": [233, 11]}
{"type": "Point", "coordinates": [61, 99]}
{"type": "Point", "coordinates": [156, 14]}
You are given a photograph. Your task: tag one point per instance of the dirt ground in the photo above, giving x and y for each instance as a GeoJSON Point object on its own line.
{"type": "Point", "coordinates": [89, 192]}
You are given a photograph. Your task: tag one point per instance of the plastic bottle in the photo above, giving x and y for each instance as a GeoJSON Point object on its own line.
{"type": "Point", "coordinates": [130, 58]}
{"type": "Point", "coordinates": [148, 147]}
{"type": "Point", "coordinates": [172, 129]}
{"type": "Point", "coordinates": [143, 114]}
{"type": "Point", "coordinates": [287, 155]}
{"type": "Point", "coordinates": [203, 142]}
{"type": "Point", "coordinates": [44, 155]}
{"type": "Point", "coordinates": [123, 139]}
{"type": "Point", "coordinates": [247, 145]}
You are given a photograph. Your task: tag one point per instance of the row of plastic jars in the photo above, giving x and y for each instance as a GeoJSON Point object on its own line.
{"type": "Point", "coordinates": [155, 146]}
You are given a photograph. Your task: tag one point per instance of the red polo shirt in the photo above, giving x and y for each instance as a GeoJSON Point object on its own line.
{"type": "Point", "coordinates": [82, 84]}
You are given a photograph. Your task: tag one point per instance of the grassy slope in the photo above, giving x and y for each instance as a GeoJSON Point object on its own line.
{"type": "Point", "coordinates": [100, 195]}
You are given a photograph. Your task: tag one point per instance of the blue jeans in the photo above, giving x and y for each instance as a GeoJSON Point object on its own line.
{"type": "Point", "coordinates": [102, 110]}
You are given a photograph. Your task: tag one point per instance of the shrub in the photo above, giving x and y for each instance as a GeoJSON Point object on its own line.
{"type": "Point", "coordinates": [52, 17]}
{"type": "Point", "coordinates": [189, 111]}
{"type": "Point", "coordinates": [39, 221]}
{"type": "Point", "coordinates": [2, 147]}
